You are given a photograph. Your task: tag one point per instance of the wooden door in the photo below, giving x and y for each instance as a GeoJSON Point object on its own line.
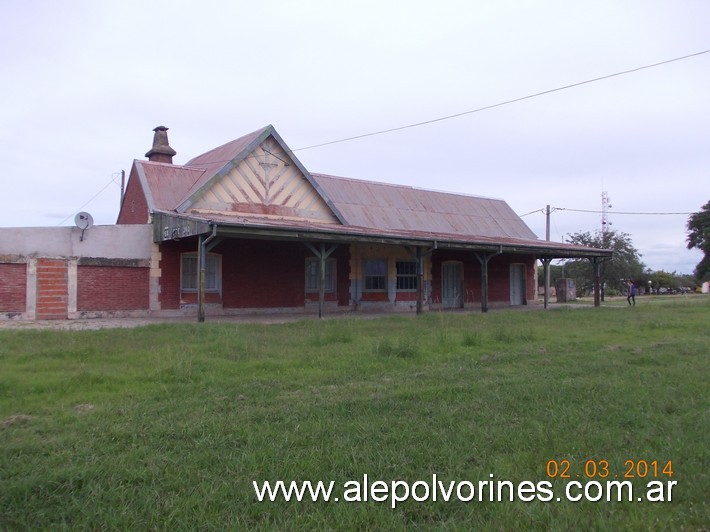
{"type": "Point", "coordinates": [452, 285]}
{"type": "Point", "coordinates": [517, 284]}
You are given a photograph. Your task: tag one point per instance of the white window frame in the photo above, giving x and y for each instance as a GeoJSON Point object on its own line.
{"type": "Point", "coordinates": [213, 272]}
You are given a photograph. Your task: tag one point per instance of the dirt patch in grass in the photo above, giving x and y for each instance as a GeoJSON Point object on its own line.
{"type": "Point", "coordinates": [84, 408]}
{"type": "Point", "coordinates": [17, 419]}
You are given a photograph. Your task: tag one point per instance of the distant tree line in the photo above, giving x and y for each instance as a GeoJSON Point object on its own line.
{"type": "Point", "coordinates": [625, 265]}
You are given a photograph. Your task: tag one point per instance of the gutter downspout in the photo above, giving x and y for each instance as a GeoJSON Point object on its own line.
{"type": "Point", "coordinates": [201, 263]}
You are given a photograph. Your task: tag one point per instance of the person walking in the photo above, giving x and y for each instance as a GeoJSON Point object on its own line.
{"type": "Point", "coordinates": [631, 293]}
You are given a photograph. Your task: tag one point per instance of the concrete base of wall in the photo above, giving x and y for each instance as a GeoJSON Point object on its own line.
{"type": "Point", "coordinates": [91, 314]}
{"type": "Point", "coordinates": [331, 307]}
{"type": "Point", "coordinates": [16, 316]}
{"type": "Point", "coordinates": [386, 306]}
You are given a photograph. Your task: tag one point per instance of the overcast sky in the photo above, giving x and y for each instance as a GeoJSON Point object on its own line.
{"type": "Point", "coordinates": [83, 83]}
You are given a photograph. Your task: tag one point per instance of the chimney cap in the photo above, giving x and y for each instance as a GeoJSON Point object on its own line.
{"type": "Point", "coordinates": [161, 150]}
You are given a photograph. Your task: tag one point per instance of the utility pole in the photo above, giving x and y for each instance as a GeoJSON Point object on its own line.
{"type": "Point", "coordinates": [546, 261]}
{"type": "Point", "coordinates": [123, 186]}
{"type": "Point", "coordinates": [606, 205]}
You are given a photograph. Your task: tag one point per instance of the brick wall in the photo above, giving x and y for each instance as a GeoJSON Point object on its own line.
{"type": "Point", "coordinates": [52, 289]}
{"type": "Point", "coordinates": [263, 274]}
{"type": "Point", "coordinates": [134, 209]}
{"type": "Point", "coordinates": [375, 296]}
{"type": "Point", "coordinates": [170, 271]}
{"type": "Point", "coordinates": [13, 287]}
{"type": "Point", "coordinates": [342, 277]}
{"type": "Point", "coordinates": [498, 275]}
{"type": "Point", "coordinates": [112, 288]}
{"type": "Point", "coordinates": [471, 274]}
{"type": "Point", "coordinates": [255, 274]}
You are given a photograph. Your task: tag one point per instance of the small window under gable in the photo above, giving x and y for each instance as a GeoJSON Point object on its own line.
{"type": "Point", "coordinates": [189, 273]}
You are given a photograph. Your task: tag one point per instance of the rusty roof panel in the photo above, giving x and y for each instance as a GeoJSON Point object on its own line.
{"type": "Point", "coordinates": [384, 206]}
{"type": "Point", "coordinates": [167, 183]}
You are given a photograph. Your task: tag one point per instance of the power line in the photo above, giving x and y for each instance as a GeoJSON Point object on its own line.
{"type": "Point", "coordinates": [113, 181]}
{"type": "Point", "coordinates": [622, 212]}
{"type": "Point", "coordinates": [507, 102]}
{"type": "Point", "coordinates": [449, 117]}
{"type": "Point", "coordinates": [532, 212]}
{"type": "Point", "coordinates": [493, 106]}
{"type": "Point", "coordinates": [553, 209]}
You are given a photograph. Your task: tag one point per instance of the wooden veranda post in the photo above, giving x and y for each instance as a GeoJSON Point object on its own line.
{"type": "Point", "coordinates": [597, 284]}
{"type": "Point", "coordinates": [483, 258]}
{"type": "Point", "coordinates": [420, 280]}
{"type": "Point", "coordinates": [201, 258]}
{"type": "Point", "coordinates": [546, 268]}
{"type": "Point", "coordinates": [321, 282]}
{"type": "Point", "coordinates": [484, 283]}
{"type": "Point", "coordinates": [322, 255]}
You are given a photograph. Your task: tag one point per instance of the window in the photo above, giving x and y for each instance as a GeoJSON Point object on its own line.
{"type": "Point", "coordinates": [312, 275]}
{"type": "Point", "coordinates": [407, 278]}
{"type": "Point", "coordinates": [189, 273]}
{"type": "Point", "coordinates": [376, 275]}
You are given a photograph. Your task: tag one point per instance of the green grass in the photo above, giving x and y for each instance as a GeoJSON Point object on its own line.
{"type": "Point", "coordinates": [166, 427]}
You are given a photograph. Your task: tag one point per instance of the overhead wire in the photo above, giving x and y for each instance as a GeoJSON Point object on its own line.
{"type": "Point", "coordinates": [500, 104]}
{"type": "Point", "coordinates": [531, 212]}
{"type": "Point", "coordinates": [591, 211]}
{"type": "Point", "coordinates": [622, 212]}
{"type": "Point", "coordinates": [449, 117]}
{"type": "Point", "coordinates": [112, 181]}
{"type": "Point", "coordinates": [484, 108]}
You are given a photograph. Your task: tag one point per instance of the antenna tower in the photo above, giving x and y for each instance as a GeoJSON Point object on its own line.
{"type": "Point", "coordinates": [606, 205]}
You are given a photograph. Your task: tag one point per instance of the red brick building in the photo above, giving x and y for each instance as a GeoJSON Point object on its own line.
{"type": "Point", "coordinates": [245, 227]}
{"type": "Point", "coordinates": [264, 228]}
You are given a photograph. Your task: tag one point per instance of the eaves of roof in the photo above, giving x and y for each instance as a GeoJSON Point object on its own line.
{"type": "Point", "coordinates": [279, 229]}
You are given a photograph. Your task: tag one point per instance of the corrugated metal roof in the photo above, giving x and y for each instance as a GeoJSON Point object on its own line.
{"type": "Point", "coordinates": [168, 183]}
{"type": "Point", "coordinates": [402, 208]}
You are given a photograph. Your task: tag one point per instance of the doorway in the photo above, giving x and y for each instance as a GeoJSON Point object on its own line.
{"type": "Point", "coordinates": [452, 285]}
{"type": "Point", "coordinates": [517, 284]}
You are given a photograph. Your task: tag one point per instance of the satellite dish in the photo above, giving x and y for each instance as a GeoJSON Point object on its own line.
{"type": "Point", "coordinates": [83, 221]}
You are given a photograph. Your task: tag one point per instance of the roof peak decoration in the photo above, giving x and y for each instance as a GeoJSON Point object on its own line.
{"type": "Point", "coordinates": [257, 175]}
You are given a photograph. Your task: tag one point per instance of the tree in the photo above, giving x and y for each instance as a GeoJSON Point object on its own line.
{"type": "Point", "coordinates": [625, 263]}
{"type": "Point", "coordinates": [662, 279]}
{"type": "Point", "coordinates": [699, 238]}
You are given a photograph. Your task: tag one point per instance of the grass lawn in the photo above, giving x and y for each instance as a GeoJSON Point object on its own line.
{"type": "Point", "coordinates": [167, 426]}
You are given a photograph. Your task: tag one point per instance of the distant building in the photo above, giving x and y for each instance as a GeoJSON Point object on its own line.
{"type": "Point", "coordinates": [245, 227]}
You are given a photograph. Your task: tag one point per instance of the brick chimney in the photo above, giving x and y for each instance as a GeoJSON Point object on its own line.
{"type": "Point", "coordinates": [161, 152]}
